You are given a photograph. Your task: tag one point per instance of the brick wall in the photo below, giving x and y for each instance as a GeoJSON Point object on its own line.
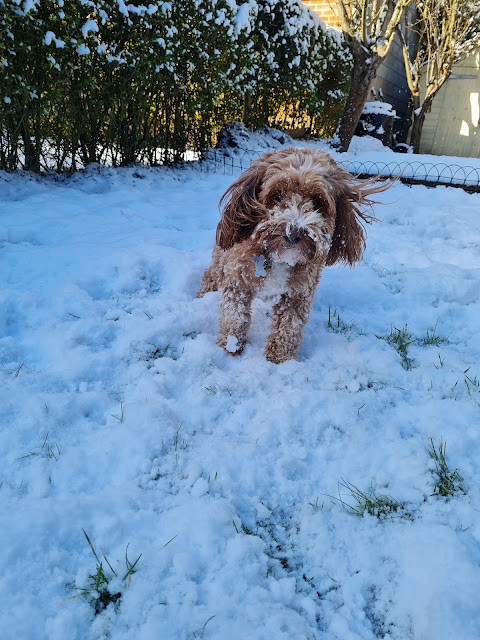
{"type": "Point", "coordinates": [325, 9]}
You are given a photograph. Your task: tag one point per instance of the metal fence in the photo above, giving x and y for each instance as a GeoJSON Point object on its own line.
{"type": "Point", "coordinates": [234, 161]}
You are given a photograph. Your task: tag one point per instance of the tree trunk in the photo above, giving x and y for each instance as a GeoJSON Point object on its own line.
{"type": "Point", "coordinates": [418, 122]}
{"type": "Point", "coordinates": [30, 150]}
{"type": "Point", "coordinates": [247, 108]}
{"type": "Point", "coordinates": [365, 66]}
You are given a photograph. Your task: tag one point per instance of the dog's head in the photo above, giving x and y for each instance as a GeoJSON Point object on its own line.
{"type": "Point", "coordinates": [300, 205]}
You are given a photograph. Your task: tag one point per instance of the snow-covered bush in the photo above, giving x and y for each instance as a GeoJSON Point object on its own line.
{"type": "Point", "coordinates": [126, 81]}
{"type": "Point", "coordinates": [301, 68]}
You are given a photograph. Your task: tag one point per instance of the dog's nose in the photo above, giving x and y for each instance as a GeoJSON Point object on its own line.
{"type": "Point", "coordinates": [294, 235]}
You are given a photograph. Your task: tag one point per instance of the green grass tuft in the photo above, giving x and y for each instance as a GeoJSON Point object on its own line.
{"type": "Point", "coordinates": [472, 383]}
{"type": "Point", "coordinates": [97, 590]}
{"type": "Point", "coordinates": [335, 323]}
{"type": "Point", "coordinates": [447, 482]}
{"type": "Point", "coordinates": [432, 338]}
{"type": "Point", "coordinates": [380, 506]}
{"type": "Point", "coordinates": [400, 340]}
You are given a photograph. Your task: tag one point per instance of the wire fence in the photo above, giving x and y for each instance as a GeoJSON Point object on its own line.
{"type": "Point", "coordinates": [233, 162]}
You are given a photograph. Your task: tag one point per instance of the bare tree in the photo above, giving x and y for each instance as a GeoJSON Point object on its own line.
{"type": "Point", "coordinates": [448, 31]}
{"type": "Point", "coordinates": [369, 27]}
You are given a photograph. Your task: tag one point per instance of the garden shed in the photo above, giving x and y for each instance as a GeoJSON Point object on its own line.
{"type": "Point", "coordinates": [452, 126]}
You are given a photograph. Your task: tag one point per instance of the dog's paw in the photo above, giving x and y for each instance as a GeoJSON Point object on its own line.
{"type": "Point", "coordinates": [232, 345]}
{"type": "Point", "coordinates": [277, 351]}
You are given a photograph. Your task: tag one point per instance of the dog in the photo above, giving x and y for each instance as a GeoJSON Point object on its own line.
{"type": "Point", "coordinates": [290, 214]}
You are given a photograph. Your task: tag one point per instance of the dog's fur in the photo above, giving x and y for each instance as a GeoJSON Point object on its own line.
{"type": "Point", "coordinates": [291, 213]}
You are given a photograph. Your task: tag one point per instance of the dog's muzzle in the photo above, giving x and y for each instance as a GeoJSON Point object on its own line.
{"type": "Point", "coordinates": [294, 234]}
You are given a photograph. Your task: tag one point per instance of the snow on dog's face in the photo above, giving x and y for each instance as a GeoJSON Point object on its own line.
{"type": "Point", "coordinates": [298, 205]}
{"type": "Point", "coordinates": [300, 214]}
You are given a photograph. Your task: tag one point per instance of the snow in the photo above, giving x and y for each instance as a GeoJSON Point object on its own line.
{"type": "Point", "coordinates": [378, 107]}
{"type": "Point", "coordinates": [29, 5]}
{"type": "Point", "coordinates": [122, 417]}
{"type": "Point", "coordinates": [83, 50]}
{"type": "Point", "coordinates": [232, 344]}
{"type": "Point", "coordinates": [259, 262]}
{"type": "Point", "coordinates": [90, 26]}
{"type": "Point", "coordinates": [50, 37]}
{"type": "Point", "coordinates": [242, 17]}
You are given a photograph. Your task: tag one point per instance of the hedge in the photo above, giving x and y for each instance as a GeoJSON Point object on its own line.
{"type": "Point", "coordinates": [119, 82]}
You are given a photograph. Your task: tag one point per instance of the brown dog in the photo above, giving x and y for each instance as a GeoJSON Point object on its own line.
{"type": "Point", "coordinates": [291, 213]}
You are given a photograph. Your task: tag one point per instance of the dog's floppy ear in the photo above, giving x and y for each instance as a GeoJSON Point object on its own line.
{"type": "Point", "coordinates": [348, 241]}
{"type": "Point", "coordinates": [241, 209]}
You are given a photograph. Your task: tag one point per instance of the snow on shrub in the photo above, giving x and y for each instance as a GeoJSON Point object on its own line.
{"type": "Point", "coordinates": [301, 68]}
{"type": "Point", "coordinates": [125, 81]}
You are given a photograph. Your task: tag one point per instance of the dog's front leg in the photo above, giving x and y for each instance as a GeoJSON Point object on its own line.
{"type": "Point", "coordinates": [290, 315]}
{"type": "Point", "coordinates": [237, 292]}
{"type": "Point", "coordinates": [235, 317]}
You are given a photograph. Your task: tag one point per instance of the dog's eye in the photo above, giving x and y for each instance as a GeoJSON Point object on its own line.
{"type": "Point", "coordinates": [318, 204]}
{"type": "Point", "coordinates": [277, 197]}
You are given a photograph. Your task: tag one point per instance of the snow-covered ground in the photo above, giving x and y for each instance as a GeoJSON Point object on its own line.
{"type": "Point", "coordinates": [120, 416]}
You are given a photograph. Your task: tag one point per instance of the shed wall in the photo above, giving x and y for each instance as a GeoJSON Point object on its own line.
{"type": "Point", "coordinates": [453, 125]}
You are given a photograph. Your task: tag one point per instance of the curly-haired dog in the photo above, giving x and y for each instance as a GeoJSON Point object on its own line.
{"type": "Point", "coordinates": [291, 213]}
